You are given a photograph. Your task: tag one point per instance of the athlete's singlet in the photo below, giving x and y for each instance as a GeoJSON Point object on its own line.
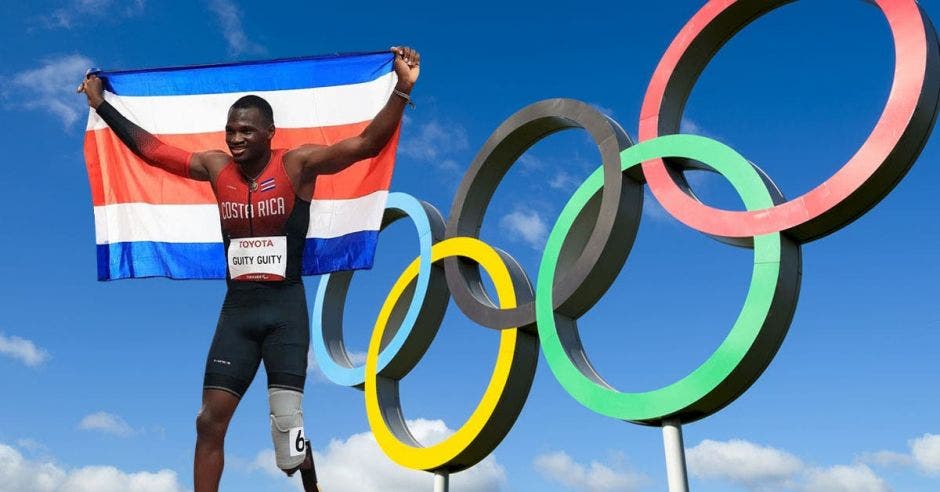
{"type": "Point", "coordinates": [264, 224]}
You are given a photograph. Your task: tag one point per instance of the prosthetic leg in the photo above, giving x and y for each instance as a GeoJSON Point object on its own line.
{"type": "Point", "coordinates": [309, 475]}
{"type": "Point", "coordinates": [291, 447]}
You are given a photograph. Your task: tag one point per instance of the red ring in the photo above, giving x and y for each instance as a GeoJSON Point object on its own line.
{"type": "Point", "coordinates": [863, 181]}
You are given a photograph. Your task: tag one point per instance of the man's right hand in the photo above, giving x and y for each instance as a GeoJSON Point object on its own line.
{"type": "Point", "coordinates": [92, 87]}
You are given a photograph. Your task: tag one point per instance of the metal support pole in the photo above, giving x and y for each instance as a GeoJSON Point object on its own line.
{"type": "Point", "coordinates": [675, 456]}
{"type": "Point", "coordinates": [441, 482]}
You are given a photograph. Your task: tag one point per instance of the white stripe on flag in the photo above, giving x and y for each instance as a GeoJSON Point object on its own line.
{"type": "Point", "coordinates": [130, 222]}
{"type": "Point", "coordinates": [298, 108]}
{"type": "Point", "coordinates": [334, 218]}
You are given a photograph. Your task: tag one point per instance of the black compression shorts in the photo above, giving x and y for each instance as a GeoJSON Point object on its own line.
{"type": "Point", "coordinates": [260, 321]}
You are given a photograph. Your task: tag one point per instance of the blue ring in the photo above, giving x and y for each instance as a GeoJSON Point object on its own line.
{"type": "Point", "coordinates": [348, 375]}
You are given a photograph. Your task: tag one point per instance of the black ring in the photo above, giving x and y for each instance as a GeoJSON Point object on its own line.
{"type": "Point", "coordinates": [594, 255]}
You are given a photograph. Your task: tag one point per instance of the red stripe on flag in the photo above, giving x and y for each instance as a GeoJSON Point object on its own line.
{"type": "Point", "coordinates": [118, 176]}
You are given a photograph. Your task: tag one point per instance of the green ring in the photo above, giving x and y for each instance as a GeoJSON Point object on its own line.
{"type": "Point", "coordinates": [748, 347]}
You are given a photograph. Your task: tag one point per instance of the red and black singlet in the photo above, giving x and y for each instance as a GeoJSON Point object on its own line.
{"type": "Point", "coordinates": [254, 214]}
{"type": "Point", "coordinates": [264, 316]}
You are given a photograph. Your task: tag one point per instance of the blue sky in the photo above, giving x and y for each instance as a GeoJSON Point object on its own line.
{"type": "Point", "coordinates": [101, 381]}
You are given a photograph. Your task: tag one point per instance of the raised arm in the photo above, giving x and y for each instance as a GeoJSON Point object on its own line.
{"type": "Point", "coordinates": [146, 146]}
{"type": "Point", "coordinates": [326, 159]}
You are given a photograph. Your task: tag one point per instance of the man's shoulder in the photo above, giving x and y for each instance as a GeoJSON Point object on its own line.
{"type": "Point", "coordinates": [215, 157]}
{"type": "Point", "coordinates": [302, 153]}
{"type": "Point", "coordinates": [214, 162]}
{"type": "Point", "coordinates": [307, 147]}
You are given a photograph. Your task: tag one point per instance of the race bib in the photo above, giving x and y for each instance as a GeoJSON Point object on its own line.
{"type": "Point", "coordinates": [258, 258]}
{"type": "Point", "coordinates": [298, 445]}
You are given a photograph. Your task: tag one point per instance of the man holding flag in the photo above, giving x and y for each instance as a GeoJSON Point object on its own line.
{"type": "Point", "coordinates": [263, 198]}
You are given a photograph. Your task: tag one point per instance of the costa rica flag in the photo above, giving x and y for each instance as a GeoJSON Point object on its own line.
{"type": "Point", "coordinates": [150, 223]}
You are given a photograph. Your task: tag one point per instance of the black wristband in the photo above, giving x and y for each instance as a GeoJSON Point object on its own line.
{"type": "Point", "coordinates": [106, 111]}
{"type": "Point", "coordinates": [128, 132]}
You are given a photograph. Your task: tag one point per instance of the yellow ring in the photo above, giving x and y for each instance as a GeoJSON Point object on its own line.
{"type": "Point", "coordinates": [477, 432]}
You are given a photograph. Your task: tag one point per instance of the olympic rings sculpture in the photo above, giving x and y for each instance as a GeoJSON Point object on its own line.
{"type": "Point", "coordinates": [591, 239]}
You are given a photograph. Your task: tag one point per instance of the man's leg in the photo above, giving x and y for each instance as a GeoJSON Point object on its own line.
{"type": "Point", "coordinates": [230, 366]}
{"type": "Point", "coordinates": [218, 406]}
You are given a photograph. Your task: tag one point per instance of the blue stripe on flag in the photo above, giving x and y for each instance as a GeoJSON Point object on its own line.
{"type": "Point", "coordinates": [154, 259]}
{"type": "Point", "coordinates": [297, 73]}
{"type": "Point", "coordinates": [207, 260]}
{"type": "Point", "coordinates": [353, 251]}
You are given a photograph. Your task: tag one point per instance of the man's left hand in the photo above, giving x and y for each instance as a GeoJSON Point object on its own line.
{"type": "Point", "coordinates": [407, 66]}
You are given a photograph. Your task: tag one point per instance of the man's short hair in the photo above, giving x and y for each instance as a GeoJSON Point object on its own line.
{"type": "Point", "coordinates": [253, 101]}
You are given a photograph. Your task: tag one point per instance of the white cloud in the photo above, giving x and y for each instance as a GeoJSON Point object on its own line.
{"type": "Point", "coordinates": [595, 477]}
{"type": "Point", "coordinates": [886, 458]}
{"type": "Point", "coordinates": [742, 462]}
{"type": "Point", "coordinates": [762, 468]}
{"type": "Point", "coordinates": [529, 162]}
{"type": "Point", "coordinates": [603, 109]}
{"type": "Point", "coordinates": [563, 181]}
{"type": "Point", "coordinates": [23, 350]}
{"type": "Point", "coordinates": [357, 358]}
{"type": "Point", "coordinates": [926, 452]}
{"type": "Point", "coordinates": [854, 478]}
{"type": "Point", "coordinates": [688, 125]}
{"type": "Point", "coordinates": [526, 225]}
{"type": "Point", "coordinates": [107, 423]}
{"type": "Point", "coordinates": [230, 20]}
{"type": "Point", "coordinates": [83, 10]}
{"type": "Point", "coordinates": [356, 464]}
{"type": "Point", "coordinates": [924, 455]}
{"type": "Point", "coordinates": [449, 165]}
{"type": "Point", "coordinates": [51, 87]}
{"type": "Point", "coordinates": [314, 371]}
{"type": "Point", "coordinates": [18, 474]}
{"type": "Point", "coordinates": [434, 142]}
{"type": "Point", "coordinates": [31, 445]}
